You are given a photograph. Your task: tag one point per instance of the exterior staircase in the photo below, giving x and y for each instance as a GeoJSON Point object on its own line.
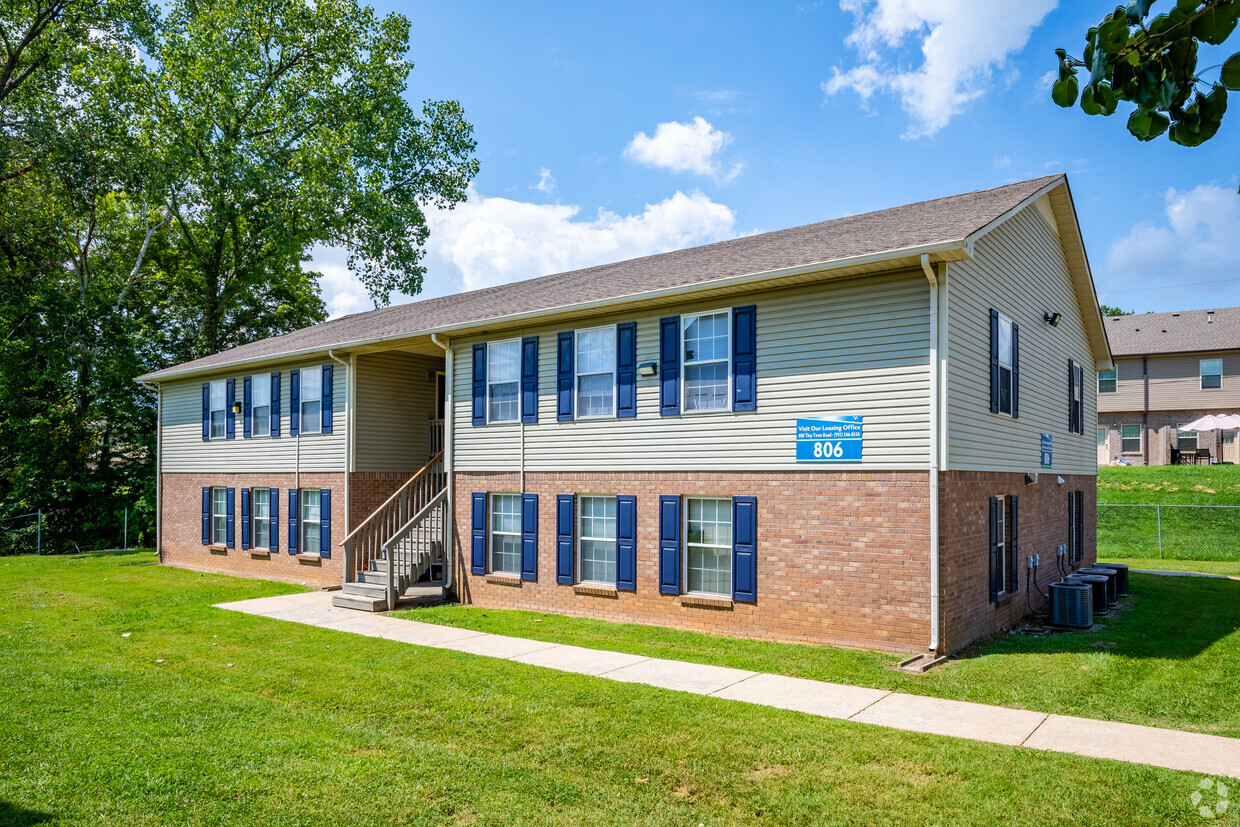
{"type": "Point", "coordinates": [396, 545]}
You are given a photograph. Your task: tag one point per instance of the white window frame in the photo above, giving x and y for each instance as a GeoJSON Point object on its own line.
{"type": "Point", "coordinates": [1180, 434]}
{"type": "Point", "coordinates": [684, 361]}
{"type": "Point", "coordinates": [1201, 366]}
{"type": "Point", "coordinates": [582, 538]}
{"type": "Point", "coordinates": [727, 549]}
{"type": "Point", "coordinates": [490, 383]}
{"type": "Point", "coordinates": [1005, 574]}
{"type": "Point", "coordinates": [1010, 367]}
{"type": "Point", "coordinates": [317, 400]}
{"type": "Point", "coordinates": [1140, 438]}
{"type": "Point", "coordinates": [260, 381]}
{"type": "Point", "coordinates": [256, 521]}
{"type": "Point", "coordinates": [1113, 379]}
{"type": "Point", "coordinates": [304, 523]}
{"type": "Point", "coordinates": [222, 410]}
{"type": "Point", "coordinates": [219, 515]}
{"type": "Point", "coordinates": [492, 532]}
{"type": "Point", "coordinates": [578, 374]}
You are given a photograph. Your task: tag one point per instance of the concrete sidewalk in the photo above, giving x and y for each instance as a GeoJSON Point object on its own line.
{"type": "Point", "coordinates": [1173, 749]}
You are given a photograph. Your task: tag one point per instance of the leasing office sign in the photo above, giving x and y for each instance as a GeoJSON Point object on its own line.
{"type": "Point", "coordinates": [829, 439]}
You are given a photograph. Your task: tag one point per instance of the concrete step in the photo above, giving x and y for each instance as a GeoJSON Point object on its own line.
{"type": "Point", "coordinates": [359, 602]}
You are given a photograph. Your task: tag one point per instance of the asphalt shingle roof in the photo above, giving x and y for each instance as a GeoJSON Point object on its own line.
{"type": "Point", "coordinates": [1185, 331]}
{"type": "Point", "coordinates": [938, 221]}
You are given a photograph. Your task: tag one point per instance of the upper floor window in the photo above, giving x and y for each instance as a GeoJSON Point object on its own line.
{"type": "Point", "coordinates": [707, 361]}
{"type": "Point", "coordinates": [311, 400]}
{"type": "Point", "coordinates": [260, 387]}
{"type": "Point", "coordinates": [596, 372]}
{"type": "Point", "coordinates": [503, 381]}
{"type": "Point", "coordinates": [1007, 364]}
{"type": "Point", "coordinates": [1106, 381]}
{"type": "Point", "coordinates": [1211, 373]}
{"type": "Point", "coordinates": [218, 409]}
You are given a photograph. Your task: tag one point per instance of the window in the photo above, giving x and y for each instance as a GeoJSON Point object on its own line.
{"type": "Point", "coordinates": [1185, 440]}
{"type": "Point", "coordinates": [311, 400]}
{"type": "Point", "coordinates": [1076, 508]}
{"type": "Point", "coordinates": [1130, 439]}
{"type": "Point", "coordinates": [1106, 381]}
{"type": "Point", "coordinates": [1211, 374]}
{"type": "Point", "coordinates": [260, 517]}
{"type": "Point", "coordinates": [218, 411]}
{"type": "Point", "coordinates": [260, 390]}
{"type": "Point", "coordinates": [1102, 437]}
{"type": "Point", "coordinates": [1076, 400]}
{"type": "Point", "coordinates": [503, 382]}
{"type": "Point", "coordinates": [506, 533]}
{"type": "Point", "coordinates": [311, 515]}
{"type": "Point", "coordinates": [708, 546]}
{"type": "Point", "coordinates": [1001, 560]}
{"type": "Point", "coordinates": [596, 550]}
{"type": "Point", "coordinates": [707, 359]}
{"type": "Point", "coordinates": [219, 515]}
{"type": "Point", "coordinates": [596, 372]}
{"type": "Point", "coordinates": [1006, 364]}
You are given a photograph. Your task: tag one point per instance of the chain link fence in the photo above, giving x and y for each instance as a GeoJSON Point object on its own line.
{"type": "Point", "coordinates": [1172, 532]}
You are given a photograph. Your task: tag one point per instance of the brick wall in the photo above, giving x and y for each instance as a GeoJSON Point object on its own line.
{"type": "Point", "coordinates": [964, 535]}
{"type": "Point", "coordinates": [370, 489]}
{"type": "Point", "coordinates": [181, 543]}
{"type": "Point", "coordinates": [841, 556]}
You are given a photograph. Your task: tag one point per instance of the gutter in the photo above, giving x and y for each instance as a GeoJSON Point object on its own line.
{"type": "Point", "coordinates": [935, 412]}
{"type": "Point", "coordinates": [448, 418]}
{"type": "Point", "coordinates": [348, 433]}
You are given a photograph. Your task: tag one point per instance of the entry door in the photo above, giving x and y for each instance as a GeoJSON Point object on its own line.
{"type": "Point", "coordinates": [1230, 447]}
{"type": "Point", "coordinates": [1104, 455]}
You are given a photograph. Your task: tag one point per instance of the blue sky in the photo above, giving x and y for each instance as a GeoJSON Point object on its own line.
{"type": "Point", "coordinates": [610, 131]}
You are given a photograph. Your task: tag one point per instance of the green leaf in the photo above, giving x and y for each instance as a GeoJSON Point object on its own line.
{"type": "Point", "coordinates": [1214, 105]}
{"type": "Point", "coordinates": [1216, 23]}
{"type": "Point", "coordinates": [1230, 76]}
{"type": "Point", "coordinates": [1146, 125]}
{"type": "Point", "coordinates": [1088, 106]}
{"type": "Point", "coordinates": [1107, 98]}
{"type": "Point", "coordinates": [1064, 92]}
{"type": "Point", "coordinates": [1113, 34]}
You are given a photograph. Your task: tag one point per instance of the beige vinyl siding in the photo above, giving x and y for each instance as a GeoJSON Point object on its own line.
{"type": "Point", "coordinates": [1175, 383]}
{"type": "Point", "coordinates": [853, 347]}
{"type": "Point", "coordinates": [395, 401]}
{"type": "Point", "coordinates": [1018, 269]}
{"type": "Point", "coordinates": [1129, 387]}
{"type": "Point", "coordinates": [186, 452]}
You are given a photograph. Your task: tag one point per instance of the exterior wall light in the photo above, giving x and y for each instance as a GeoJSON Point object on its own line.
{"type": "Point", "coordinates": [236, 407]}
{"type": "Point", "coordinates": [648, 369]}
{"type": "Point", "coordinates": [1050, 318]}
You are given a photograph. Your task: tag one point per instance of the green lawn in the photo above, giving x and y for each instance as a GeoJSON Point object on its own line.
{"type": "Point", "coordinates": [1176, 632]}
{"type": "Point", "coordinates": [1225, 567]}
{"type": "Point", "coordinates": [256, 721]}
{"type": "Point", "coordinates": [1126, 531]}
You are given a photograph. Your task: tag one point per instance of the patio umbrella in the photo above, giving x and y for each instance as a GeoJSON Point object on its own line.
{"type": "Point", "coordinates": [1214, 422]}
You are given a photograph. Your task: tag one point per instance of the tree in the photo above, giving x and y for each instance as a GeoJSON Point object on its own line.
{"type": "Point", "coordinates": [1108, 310]}
{"type": "Point", "coordinates": [1154, 65]}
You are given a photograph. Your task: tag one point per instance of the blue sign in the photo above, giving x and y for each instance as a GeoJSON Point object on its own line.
{"type": "Point", "coordinates": [1046, 450]}
{"type": "Point", "coordinates": [829, 439]}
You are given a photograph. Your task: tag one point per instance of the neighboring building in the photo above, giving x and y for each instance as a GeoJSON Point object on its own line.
{"type": "Point", "coordinates": [855, 432]}
{"type": "Point", "coordinates": [1170, 370]}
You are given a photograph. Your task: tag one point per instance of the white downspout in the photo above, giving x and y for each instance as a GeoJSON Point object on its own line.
{"type": "Point", "coordinates": [348, 429]}
{"type": "Point", "coordinates": [448, 417]}
{"type": "Point", "coordinates": [932, 277]}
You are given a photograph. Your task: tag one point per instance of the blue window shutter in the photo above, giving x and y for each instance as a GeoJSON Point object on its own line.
{"type": "Point", "coordinates": [206, 411]}
{"type": "Point", "coordinates": [745, 358]}
{"type": "Point", "coordinates": [275, 404]}
{"type": "Point", "coordinates": [206, 515]}
{"type": "Point", "coordinates": [564, 539]}
{"type": "Point", "coordinates": [1013, 524]}
{"type": "Point", "coordinates": [564, 376]}
{"type": "Point", "coordinates": [529, 379]}
{"type": "Point", "coordinates": [994, 549]}
{"type": "Point", "coordinates": [478, 535]}
{"type": "Point", "coordinates": [230, 398]}
{"type": "Point", "coordinates": [292, 521]}
{"type": "Point", "coordinates": [247, 410]}
{"type": "Point", "coordinates": [274, 523]}
{"type": "Point", "coordinates": [480, 384]}
{"type": "Point", "coordinates": [294, 402]}
{"type": "Point", "coordinates": [745, 549]}
{"type": "Point", "coordinates": [994, 360]}
{"type": "Point", "coordinates": [669, 366]}
{"type": "Point", "coordinates": [326, 402]}
{"type": "Point", "coordinates": [229, 522]}
{"type": "Point", "coordinates": [626, 543]}
{"type": "Point", "coordinates": [669, 545]}
{"type": "Point", "coordinates": [626, 369]}
{"type": "Point", "coordinates": [325, 523]}
{"type": "Point", "coordinates": [1015, 370]}
{"type": "Point", "coordinates": [529, 536]}
{"type": "Point", "coordinates": [245, 518]}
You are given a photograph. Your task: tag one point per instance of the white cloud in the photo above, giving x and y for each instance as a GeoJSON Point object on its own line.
{"type": "Point", "coordinates": [682, 147]}
{"type": "Point", "coordinates": [546, 181]}
{"type": "Point", "coordinates": [1200, 242]}
{"type": "Point", "coordinates": [343, 293]}
{"type": "Point", "coordinates": [1003, 163]}
{"type": "Point", "coordinates": [962, 43]}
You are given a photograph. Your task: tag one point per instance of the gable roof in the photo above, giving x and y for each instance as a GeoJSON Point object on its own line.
{"type": "Point", "coordinates": [944, 228]}
{"type": "Point", "coordinates": [1184, 331]}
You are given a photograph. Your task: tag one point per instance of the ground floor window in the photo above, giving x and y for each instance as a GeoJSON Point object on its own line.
{"type": "Point", "coordinates": [596, 548]}
{"type": "Point", "coordinates": [506, 533]}
{"type": "Point", "coordinates": [1130, 439]}
{"type": "Point", "coordinates": [1186, 440]}
{"type": "Point", "coordinates": [708, 545]}
{"type": "Point", "coordinates": [1000, 543]}
{"type": "Point", "coordinates": [260, 516]}
{"type": "Point", "coordinates": [219, 516]}
{"type": "Point", "coordinates": [311, 516]}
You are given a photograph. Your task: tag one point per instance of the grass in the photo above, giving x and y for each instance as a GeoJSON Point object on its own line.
{"type": "Point", "coordinates": [249, 720]}
{"type": "Point", "coordinates": [1195, 534]}
{"type": "Point", "coordinates": [1224, 567]}
{"type": "Point", "coordinates": [1176, 632]}
{"type": "Point", "coordinates": [1170, 484]}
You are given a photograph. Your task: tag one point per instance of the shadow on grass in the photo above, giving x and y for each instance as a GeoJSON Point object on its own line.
{"type": "Point", "coordinates": [14, 816]}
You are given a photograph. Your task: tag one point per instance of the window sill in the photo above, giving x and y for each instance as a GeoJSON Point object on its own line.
{"type": "Point", "coordinates": [1004, 599]}
{"type": "Point", "coordinates": [705, 601]}
{"type": "Point", "coordinates": [310, 559]}
{"type": "Point", "coordinates": [596, 589]}
{"type": "Point", "coordinates": [260, 554]}
{"type": "Point", "coordinates": [217, 549]}
{"type": "Point", "coordinates": [504, 579]}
